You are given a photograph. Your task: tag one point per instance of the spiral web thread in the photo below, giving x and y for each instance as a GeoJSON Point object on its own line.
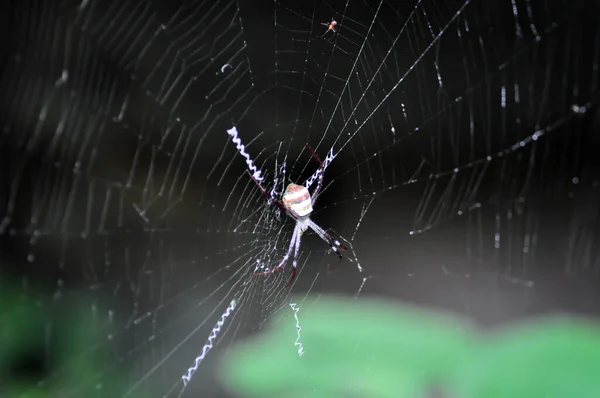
{"type": "Point", "coordinates": [209, 344]}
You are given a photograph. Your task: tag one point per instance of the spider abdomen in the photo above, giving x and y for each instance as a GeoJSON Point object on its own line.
{"type": "Point", "coordinates": [297, 200]}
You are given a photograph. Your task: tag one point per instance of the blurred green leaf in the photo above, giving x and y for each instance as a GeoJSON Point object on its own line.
{"type": "Point", "coordinates": [49, 350]}
{"type": "Point", "coordinates": [372, 348]}
{"type": "Point", "coordinates": [19, 320]}
{"type": "Point", "coordinates": [352, 348]}
{"type": "Point", "coordinates": [557, 357]}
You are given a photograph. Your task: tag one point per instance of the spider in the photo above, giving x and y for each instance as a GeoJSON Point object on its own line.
{"type": "Point", "coordinates": [298, 203]}
{"type": "Point", "coordinates": [330, 27]}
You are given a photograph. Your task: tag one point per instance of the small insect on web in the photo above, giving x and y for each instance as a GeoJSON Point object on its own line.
{"type": "Point", "coordinates": [297, 202]}
{"type": "Point", "coordinates": [330, 27]}
{"type": "Point", "coordinates": [332, 31]}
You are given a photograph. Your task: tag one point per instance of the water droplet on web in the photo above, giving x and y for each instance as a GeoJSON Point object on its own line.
{"type": "Point", "coordinates": [35, 237]}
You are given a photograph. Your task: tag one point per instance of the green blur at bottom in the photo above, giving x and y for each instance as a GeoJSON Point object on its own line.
{"type": "Point", "coordinates": [374, 348]}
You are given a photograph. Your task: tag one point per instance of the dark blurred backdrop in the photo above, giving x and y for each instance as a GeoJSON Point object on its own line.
{"type": "Point", "coordinates": [121, 194]}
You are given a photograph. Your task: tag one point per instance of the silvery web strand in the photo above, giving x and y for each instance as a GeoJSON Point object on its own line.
{"type": "Point", "coordinates": [209, 344]}
{"type": "Point", "coordinates": [276, 180]}
{"type": "Point", "coordinates": [330, 156]}
{"type": "Point", "coordinates": [298, 328]}
{"type": "Point", "coordinates": [256, 173]}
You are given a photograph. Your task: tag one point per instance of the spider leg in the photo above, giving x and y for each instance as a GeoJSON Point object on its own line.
{"type": "Point", "coordinates": [293, 244]}
{"type": "Point", "coordinates": [296, 252]}
{"type": "Point", "coordinates": [317, 190]}
{"type": "Point", "coordinates": [313, 153]}
{"type": "Point", "coordinates": [335, 244]}
{"type": "Point", "coordinates": [323, 35]}
{"type": "Point", "coordinates": [267, 194]}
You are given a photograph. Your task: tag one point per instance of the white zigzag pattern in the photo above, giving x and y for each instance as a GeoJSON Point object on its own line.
{"type": "Point", "coordinates": [209, 344]}
{"type": "Point", "coordinates": [298, 328]}
{"type": "Point", "coordinates": [330, 156]}
{"type": "Point", "coordinates": [256, 173]}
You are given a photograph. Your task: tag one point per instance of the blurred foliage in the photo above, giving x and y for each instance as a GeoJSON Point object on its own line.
{"type": "Point", "coordinates": [352, 348]}
{"type": "Point", "coordinates": [50, 348]}
{"type": "Point", "coordinates": [552, 357]}
{"type": "Point", "coordinates": [374, 348]}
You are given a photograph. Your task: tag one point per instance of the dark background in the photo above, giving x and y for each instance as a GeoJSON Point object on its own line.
{"type": "Point", "coordinates": [122, 195]}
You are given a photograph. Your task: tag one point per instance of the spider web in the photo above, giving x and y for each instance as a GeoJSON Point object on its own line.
{"type": "Point", "coordinates": [460, 134]}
